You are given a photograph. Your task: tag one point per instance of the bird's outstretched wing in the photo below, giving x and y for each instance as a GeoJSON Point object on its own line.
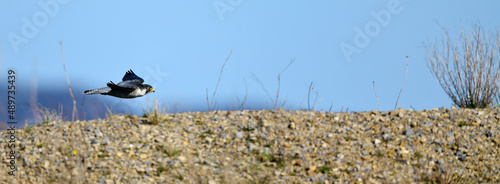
{"type": "Point", "coordinates": [130, 80]}
{"type": "Point", "coordinates": [114, 86]}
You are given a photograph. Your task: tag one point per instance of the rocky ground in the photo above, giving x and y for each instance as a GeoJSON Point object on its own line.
{"type": "Point", "coordinates": [402, 146]}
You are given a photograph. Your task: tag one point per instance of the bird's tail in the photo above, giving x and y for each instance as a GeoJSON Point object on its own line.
{"type": "Point", "coordinates": [97, 91]}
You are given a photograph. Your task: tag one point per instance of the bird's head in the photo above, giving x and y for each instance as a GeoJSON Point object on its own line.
{"type": "Point", "coordinates": [149, 88]}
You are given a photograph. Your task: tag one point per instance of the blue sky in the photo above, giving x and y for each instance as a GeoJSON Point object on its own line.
{"type": "Point", "coordinates": [179, 47]}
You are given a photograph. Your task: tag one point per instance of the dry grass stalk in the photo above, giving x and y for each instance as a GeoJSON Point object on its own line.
{"type": "Point", "coordinates": [279, 83]}
{"type": "Point", "coordinates": [218, 81]}
{"type": "Point", "coordinates": [406, 74]}
{"type": "Point", "coordinates": [75, 112]}
{"type": "Point", "coordinates": [262, 86]}
{"type": "Point", "coordinates": [246, 96]}
{"type": "Point", "coordinates": [311, 87]}
{"type": "Point", "coordinates": [48, 115]}
{"type": "Point", "coordinates": [375, 96]}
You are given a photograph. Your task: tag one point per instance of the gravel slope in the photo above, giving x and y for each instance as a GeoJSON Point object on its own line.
{"type": "Point", "coordinates": [403, 146]}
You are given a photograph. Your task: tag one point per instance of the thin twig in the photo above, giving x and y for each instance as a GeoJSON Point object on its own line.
{"type": "Point", "coordinates": [376, 95]}
{"type": "Point", "coordinates": [406, 73]}
{"type": "Point", "coordinates": [218, 81]}
{"type": "Point", "coordinates": [208, 102]}
{"type": "Point", "coordinates": [316, 101]}
{"type": "Point", "coordinates": [75, 111]}
{"type": "Point", "coordinates": [246, 95]}
{"type": "Point", "coordinates": [262, 86]}
{"type": "Point", "coordinates": [307, 96]}
{"type": "Point", "coordinates": [331, 105]}
{"type": "Point", "coordinates": [283, 104]}
{"type": "Point", "coordinates": [311, 87]}
{"type": "Point", "coordinates": [279, 83]}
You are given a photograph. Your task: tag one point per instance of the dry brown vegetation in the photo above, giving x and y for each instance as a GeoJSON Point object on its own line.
{"type": "Point", "coordinates": [468, 68]}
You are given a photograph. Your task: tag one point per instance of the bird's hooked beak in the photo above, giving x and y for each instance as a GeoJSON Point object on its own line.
{"type": "Point", "coordinates": [152, 89]}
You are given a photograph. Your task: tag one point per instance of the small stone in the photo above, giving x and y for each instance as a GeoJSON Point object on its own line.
{"type": "Point", "coordinates": [426, 123]}
{"type": "Point", "coordinates": [241, 148]}
{"type": "Point", "coordinates": [433, 117]}
{"type": "Point", "coordinates": [297, 163]}
{"type": "Point", "coordinates": [239, 135]}
{"type": "Point", "coordinates": [408, 132]}
{"type": "Point", "coordinates": [149, 171]}
{"type": "Point", "coordinates": [438, 149]}
{"type": "Point", "coordinates": [488, 134]}
{"type": "Point", "coordinates": [182, 159]}
{"type": "Point", "coordinates": [312, 168]}
{"type": "Point", "coordinates": [477, 122]}
{"type": "Point", "coordinates": [140, 169]}
{"type": "Point", "coordinates": [266, 123]}
{"type": "Point", "coordinates": [46, 164]}
{"type": "Point", "coordinates": [439, 161]}
{"type": "Point", "coordinates": [98, 133]}
{"type": "Point", "coordinates": [212, 182]}
{"type": "Point", "coordinates": [340, 156]}
{"type": "Point", "coordinates": [368, 168]}
{"type": "Point", "coordinates": [450, 136]}
{"type": "Point", "coordinates": [311, 179]}
{"type": "Point", "coordinates": [387, 137]}
{"type": "Point", "coordinates": [322, 178]}
{"type": "Point", "coordinates": [332, 179]}
{"type": "Point", "coordinates": [462, 158]}
{"type": "Point", "coordinates": [105, 141]}
{"type": "Point", "coordinates": [401, 113]}
{"type": "Point", "coordinates": [453, 117]}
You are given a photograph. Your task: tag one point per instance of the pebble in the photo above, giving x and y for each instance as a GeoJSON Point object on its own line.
{"type": "Point", "coordinates": [239, 135]}
{"type": "Point", "coordinates": [426, 123]}
{"type": "Point", "coordinates": [98, 133]}
{"type": "Point", "coordinates": [408, 132]}
{"type": "Point", "coordinates": [439, 161]}
{"type": "Point", "coordinates": [438, 149]}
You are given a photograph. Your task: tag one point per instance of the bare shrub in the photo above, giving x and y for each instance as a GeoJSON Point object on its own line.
{"type": "Point", "coordinates": [468, 68]}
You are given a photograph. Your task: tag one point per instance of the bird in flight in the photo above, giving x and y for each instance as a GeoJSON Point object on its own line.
{"type": "Point", "coordinates": [130, 87]}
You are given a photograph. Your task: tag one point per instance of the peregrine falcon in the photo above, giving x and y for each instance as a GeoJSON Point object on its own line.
{"type": "Point", "coordinates": [130, 87]}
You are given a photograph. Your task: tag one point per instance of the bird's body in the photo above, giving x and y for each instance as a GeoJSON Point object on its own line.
{"type": "Point", "coordinates": [130, 87]}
